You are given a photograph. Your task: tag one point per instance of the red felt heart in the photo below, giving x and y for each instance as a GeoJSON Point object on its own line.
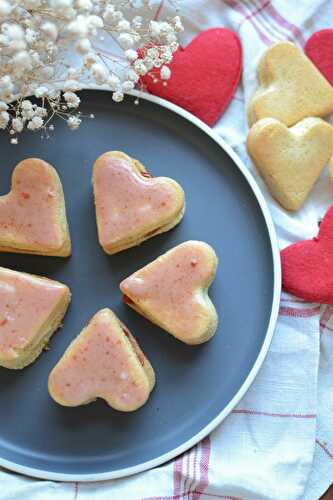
{"type": "Point", "coordinates": [307, 266]}
{"type": "Point", "coordinates": [204, 75]}
{"type": "Point", "coordinates": [319, 48]}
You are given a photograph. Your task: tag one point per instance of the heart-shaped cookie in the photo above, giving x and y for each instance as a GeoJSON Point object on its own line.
{"type": "Point", "coordinates": [290, 160]}
{"type": "Point", "coordinates": [132, 206]}
{"type": "Point", "coordinates": [291, 87]}
{"type": "Point", "coordinates": [204, 75]}
{"type": "Point", "coordinates": [307, 266]}
{"type": "Point", "coordinates": [104, 361]}
{"type": "Point", "coordinates": [32, 215]}
{"type": "Point", "coordinates": [31, 309]}
{"type": "Point", "coordinates": [319, 48]}
{"type": "Point", "coordinates": [172, 291]}
{"type": "Point", "coordinates": [331, 168]}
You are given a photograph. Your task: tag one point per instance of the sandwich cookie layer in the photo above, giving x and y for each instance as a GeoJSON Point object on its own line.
{"type": "Point", "coordinates": [33, 215]}
{"type": "Point", "coordinates": [132, 206]}
{"type": "Point", "coordinates": [31, 310]}
{"type": "Point", "coordinates": [172, 292]}
{"type": "Point", "coordinates": [104, 361]}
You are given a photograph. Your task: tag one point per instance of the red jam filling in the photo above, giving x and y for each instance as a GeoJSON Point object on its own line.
{"type": "Point", "coordinates": [151, 233]}
{"type": "Point", "coordinates": [134, 345]}
{"type": "Point", "coordinates": [127, 300]}
{"type": "Point", "coordinates": [144, 173]}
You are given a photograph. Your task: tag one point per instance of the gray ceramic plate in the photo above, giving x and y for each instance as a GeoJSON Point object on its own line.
{"type": "Point", "coordinates": [196, 386]}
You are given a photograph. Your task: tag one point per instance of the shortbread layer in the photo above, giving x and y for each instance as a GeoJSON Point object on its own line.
{"type": "Point", "coordinates": [132, 206]}
{"type": "Point", "coordinates": [172, 291]}
{"type": "Point", "coordinates": [32, 215]}
{"type": "Point", "coordinates": [104, 361]}
{"type": "Point", "coordinates": [31, 309]}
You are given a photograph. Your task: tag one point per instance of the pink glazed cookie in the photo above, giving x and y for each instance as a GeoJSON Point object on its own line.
{"type": "Point", "coordinates": [172, 292]}
{"type": "Point", "coordinates": [31, 309]}
{"type": "Point", "coordinates": [104, 361]}
{"type": "Point", "coordinates": [33, 215]}
{"type": "Point", "coordinates": [132, 206]}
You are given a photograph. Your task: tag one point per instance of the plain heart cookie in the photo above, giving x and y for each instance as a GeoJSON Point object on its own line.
{"type": "Point", "coordinates": [331, 168]}
{"type": "Point", "coordinates": [33, 215]}
{"type": "Point", "coordinates": [291, 87]}
{"type": "Point", "coordinates": [131, 206]}
{"type": "Point", "coordinates": [307, 266]}
{"type": "Point", "coordinates": [290, 160]}
{"type": "Point", "coordinates": [319, 48]}
{"type": "Point", "coordinates": [172, 292]}
{"type": "Point", "coordinates": [31, 310]}
{"type": "Point", "coordinates": [104, 361]}
{"type": "Point", "coordinates": [204, 75]}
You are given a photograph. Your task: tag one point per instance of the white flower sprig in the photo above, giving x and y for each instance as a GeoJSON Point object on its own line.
{"type": "Point", "coordinates": [50, 49]}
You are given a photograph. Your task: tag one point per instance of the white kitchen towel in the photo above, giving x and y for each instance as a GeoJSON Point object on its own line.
{"type": "Point", "coordinates": [278, 443]}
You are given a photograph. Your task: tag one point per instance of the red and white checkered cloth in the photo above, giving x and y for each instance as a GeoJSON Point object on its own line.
{"type": "Point", "coordinates": [278, 443]}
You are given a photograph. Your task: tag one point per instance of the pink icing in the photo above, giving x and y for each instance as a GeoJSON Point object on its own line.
{"type": "Point", "coordinates": [169, 286]}
{"type": "Point", "coordinates": [127, 201]}
{"type": "Point", "coordinates": [98, 365]}
{"type": "Point", "coordinates": [26, 302]}
{"type": "Point", "coordinates": [29, 214]}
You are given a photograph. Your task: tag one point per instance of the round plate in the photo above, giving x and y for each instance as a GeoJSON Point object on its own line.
{"type": "Point", "coordinates": [196, 386]}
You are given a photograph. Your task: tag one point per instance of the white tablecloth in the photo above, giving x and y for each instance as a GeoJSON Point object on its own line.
{"type": "Point", "coordinates": [278, 443]}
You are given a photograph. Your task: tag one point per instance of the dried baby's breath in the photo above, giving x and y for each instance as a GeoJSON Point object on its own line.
{"type": "Point", "coordinates": [51, 49]}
